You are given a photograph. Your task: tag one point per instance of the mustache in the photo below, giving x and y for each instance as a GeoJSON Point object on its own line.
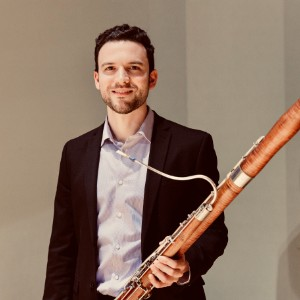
{"type": "Point", "coordinates": [125, 85]}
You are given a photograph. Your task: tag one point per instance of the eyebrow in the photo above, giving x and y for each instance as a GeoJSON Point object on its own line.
{"type": "Point", "coordinates": [106, 64]}
{"type": "Point", "coordinates": [136, 63]}
{"type": "Point", "coordinates": [130, 63]}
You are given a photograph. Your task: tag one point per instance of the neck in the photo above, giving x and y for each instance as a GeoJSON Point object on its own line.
{"type": "Point", "coordinates": [125, 125]}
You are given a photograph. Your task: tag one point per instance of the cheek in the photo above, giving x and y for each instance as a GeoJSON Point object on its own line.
{"type": "Point", "coordinates": [143, 83]}
{"type": "Point", "coordinates": [103, 84]}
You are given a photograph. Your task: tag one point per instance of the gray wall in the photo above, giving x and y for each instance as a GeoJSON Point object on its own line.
{"type": "Point", "coordinates": [228, 67]}
{"type": "Point", "coordinates": [243, 67]}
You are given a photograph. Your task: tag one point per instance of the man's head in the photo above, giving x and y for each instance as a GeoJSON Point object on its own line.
{"type": "Point", "coordinates": [124, 71]}
{"type": "Point", "coordinates": [125, 33]}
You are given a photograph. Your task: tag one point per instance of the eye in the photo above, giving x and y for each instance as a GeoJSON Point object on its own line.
{"type": "Point", "coordinates": [109, 68]}
{"type": "Point", "coordinates": [135, 68]}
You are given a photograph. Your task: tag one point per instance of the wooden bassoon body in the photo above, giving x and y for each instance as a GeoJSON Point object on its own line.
{"type": "Point", "coordinates": [139, 287]}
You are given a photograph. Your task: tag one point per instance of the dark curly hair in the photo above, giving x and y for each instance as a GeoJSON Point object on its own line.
{"type": "Point", "coordinates": [125, 33]}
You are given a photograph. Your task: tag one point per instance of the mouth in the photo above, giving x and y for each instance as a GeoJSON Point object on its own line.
{"type": "Point", "coordinates": [122, 91]}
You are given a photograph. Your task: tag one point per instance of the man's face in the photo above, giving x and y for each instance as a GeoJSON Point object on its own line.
{"type": "Point", "coordinates": [123, 78]}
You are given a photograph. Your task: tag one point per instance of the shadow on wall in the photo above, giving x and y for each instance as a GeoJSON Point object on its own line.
{"type": "Point", "coordinates": [289, 269]}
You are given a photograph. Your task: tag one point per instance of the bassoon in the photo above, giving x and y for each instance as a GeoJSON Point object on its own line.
{"type": "Point", "coordinates": [139, 286]}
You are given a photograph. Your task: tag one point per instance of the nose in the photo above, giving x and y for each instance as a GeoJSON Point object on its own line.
{"type": "Point", "coordinates": [123, 76]}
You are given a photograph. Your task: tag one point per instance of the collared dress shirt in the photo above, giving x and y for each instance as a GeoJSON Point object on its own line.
{"type": "Point", "coordinates": [120, 197]}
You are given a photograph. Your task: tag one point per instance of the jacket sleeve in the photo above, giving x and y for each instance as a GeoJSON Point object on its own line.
{"type": "Point", "coordinates": [63, 246]}
{"type": "Point", "coordinates": [213, 241]}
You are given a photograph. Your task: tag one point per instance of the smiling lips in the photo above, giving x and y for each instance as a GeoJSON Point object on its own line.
{"type": "Point", "coordinates": [122, 91]}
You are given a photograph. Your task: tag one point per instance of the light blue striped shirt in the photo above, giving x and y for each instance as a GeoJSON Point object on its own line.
{"type": "Point", "coordinates": [120, 196]}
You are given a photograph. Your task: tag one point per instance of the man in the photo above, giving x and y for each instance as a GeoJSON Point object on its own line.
{"type": "Point", "coordinates": [110, 213]}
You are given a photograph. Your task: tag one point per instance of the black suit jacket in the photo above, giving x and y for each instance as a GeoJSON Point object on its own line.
{"type": "Point", "coordinates": [73, 251]}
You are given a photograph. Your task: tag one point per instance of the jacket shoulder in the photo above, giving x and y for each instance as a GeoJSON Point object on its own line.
{"type": "Point", "coordinates": [180, 130]}
{"type": "Point", "coordinates": [85, 137]}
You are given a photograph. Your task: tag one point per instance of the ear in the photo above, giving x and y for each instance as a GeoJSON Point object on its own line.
{"type": "Point", "coordinates": [153, 79]}
{"type": "Point", "coordinates": [96, 79]}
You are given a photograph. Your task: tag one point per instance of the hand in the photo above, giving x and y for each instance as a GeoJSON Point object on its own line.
{"type": "Point", "coordinates": [166, 271]}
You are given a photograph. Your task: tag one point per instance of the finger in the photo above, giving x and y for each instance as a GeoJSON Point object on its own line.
{"type": "Point", "coordinates": [168, 270]}
{"type": "Point", "coordinates": [173, 263]}
{"type": "Point", "coordinates": [155, 282]}
{"type": "Point", "coordinates": [180, 263]}
{"type": "Point", "coordinates": [163, 277]}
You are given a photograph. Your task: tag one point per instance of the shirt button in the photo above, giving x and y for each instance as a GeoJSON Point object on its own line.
{"type": "Point", "coordinates": [119, 215]}
{"type": "Point", "coordinates": [117, 247]}
{"type": "Point", "coordinates": [92, 285]}
{"type": "Point", "coordinates": [120, 182]}
{"type": "Point", "coordinates": [117, 277]}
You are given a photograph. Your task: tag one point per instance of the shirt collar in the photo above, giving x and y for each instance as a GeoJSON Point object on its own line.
{"type": "Point", "coordinates": [145, 130]}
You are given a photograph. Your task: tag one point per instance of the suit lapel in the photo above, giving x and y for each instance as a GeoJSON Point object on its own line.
{"type": "Point", "coordinates": [91, 174]}
{"type": "Point", "coordinates": [158, 153]}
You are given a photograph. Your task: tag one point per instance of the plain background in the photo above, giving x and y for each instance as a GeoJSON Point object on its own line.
{"type": "Point", "coordinates": [228, 67]}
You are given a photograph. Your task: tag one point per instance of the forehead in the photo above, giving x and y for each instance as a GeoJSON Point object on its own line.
{"type": "Point", "coordinates": [122, 52]}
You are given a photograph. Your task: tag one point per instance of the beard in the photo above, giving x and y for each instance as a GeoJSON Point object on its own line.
{"type": "Point", "coordinates": [121, 105]}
